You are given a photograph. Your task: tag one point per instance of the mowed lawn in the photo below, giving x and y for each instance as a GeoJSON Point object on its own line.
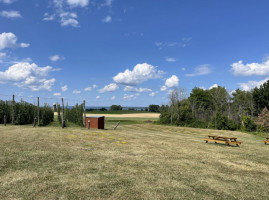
{"type": "Point", "coordinates": [136, 161]}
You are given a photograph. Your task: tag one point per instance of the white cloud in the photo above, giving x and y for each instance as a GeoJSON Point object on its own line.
{"type": "Point", "coordinates": [26, 75]}
{"type": "Point", "coordinates": [249, 69]}
{"type": "Point", "coordinates": [3, 55]}
{"type": "Point", "coordinates": [57, 94]}
{"type": "Point", "coordinates": [133, 89]}
{"type": "Point", "coordinates": [76, 3]}
{"type": "Point", "coordinates": [214, 86]}
{"type": "Point", "coordinates": [94, 86]}
{"type": "Point", "coordinates": [107, 19]}
{"type": "Point", "coordinates": [7, 1]}
{"type": "Point", "coordinates": [56, 58]}
{"type": "Point", "coordinates": [69, 19]}
{"type": "Point", "coordinates": [153, 94]}
{"type": "Point", "coordinates": [183, 69]}
{"type": "Point", "coordinates": [139, 74]}
{"type": "Point", "coordinates": [98, 97]}
{"type": "Point", "coordinates": [88, 89]}
{"type": "Point", "coordinates": [76, 92]}
{"type": "Point", "coordinates": [170, 59]}
{"type": "Point", "coordinates": [200, 70]}
{"type": "Point", "coordinates": [172, 81]}
{"type": "Point", "coordinates": [64, 88]}
{"type": "Point", "coordinates": [48, 17]}
{"type": "Point", "coordinates": [113, 98]}
{"type": "Point", "coordinates": [163, 88]}
{"type": "Point", "coordinates": [10, 14]}
{"type": "Point", "coordinates": [9, 40]}
{"type": "Point", "coordinates": [109, 88]}
{"type": "Point", "coordinates": [252, 84]}
{"type": "Point", "coordinates": [129, 97]}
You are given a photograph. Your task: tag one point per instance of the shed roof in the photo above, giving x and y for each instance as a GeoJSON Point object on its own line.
{"type": "Point", "coordinates": [95, 116]}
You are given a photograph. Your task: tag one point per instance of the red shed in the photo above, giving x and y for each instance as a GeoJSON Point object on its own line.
{"type": "Point", "coordinates": [95, 122]}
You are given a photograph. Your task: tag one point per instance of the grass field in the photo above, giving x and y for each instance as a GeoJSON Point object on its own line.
{"type": "Point", "coordinates": [137, 161]}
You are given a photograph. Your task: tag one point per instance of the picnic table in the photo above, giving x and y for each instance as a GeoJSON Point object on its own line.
{"type": "Point", "coordinates": [223, 140]}
{"type": "Point", "coordinates": [266, 141]}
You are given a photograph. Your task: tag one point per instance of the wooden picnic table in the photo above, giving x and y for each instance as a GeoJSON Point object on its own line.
{"type": "Point", "coordinates": [266, 141]}
{"type": "Point", "coordinates": [223, 140]}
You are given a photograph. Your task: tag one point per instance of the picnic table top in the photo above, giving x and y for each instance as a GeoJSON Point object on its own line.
{"type": "Point", "coordinates": [221, 137]}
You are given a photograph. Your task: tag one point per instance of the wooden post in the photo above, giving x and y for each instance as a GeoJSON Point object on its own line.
{"type": "Point", "coordinates": [117, 125]}
{"type": "Point", "coordinates": [84, 116]}
{"type": "Point", "coordinates": [89, 123]}
{"type": "Point", "coordinates": [38, 111]}
{"type": "Point", "coordinates": [62, 112]}
{"type": "Point", "coordinates": [5, 120]}
{"type": "Point", "coordinates": [34, 122]}
{"type": "Point", "coordinates": [13, 112]}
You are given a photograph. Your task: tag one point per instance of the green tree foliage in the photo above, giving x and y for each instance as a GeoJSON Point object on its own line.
{"type": "Point", "coordinates": [25, 113]}
{"type": "Point", "coordinates": [115, 107]}
{"type": "Point", "coordinates": [154, 108]}
{"type": "Point", "coordinates": [263, 120]}
{"type": "Point", "coordinates": [74, 115]}
{"type": "Point", "coordinates": [261, 96]}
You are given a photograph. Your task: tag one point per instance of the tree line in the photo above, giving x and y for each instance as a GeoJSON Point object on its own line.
{"type": "Point", "coordinates": [217, 109]}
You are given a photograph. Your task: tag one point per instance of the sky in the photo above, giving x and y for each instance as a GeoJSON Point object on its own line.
{"type": "Point", "coordinates": [130, 53]}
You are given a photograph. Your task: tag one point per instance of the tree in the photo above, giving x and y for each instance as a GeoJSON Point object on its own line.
{"type": "Point", "coordinates": [263, 120]}
{"type": "Point", "coordinates": [154, 108]}
{"type": "Point", "coordinates": [115, 107]}
{"type": "Point", "coordinates": [173, 98]}
{"type": "Point", "coordinates": [261, 96]}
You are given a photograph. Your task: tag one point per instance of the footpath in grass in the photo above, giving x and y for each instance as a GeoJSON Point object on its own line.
{"type": "Point", "coordinates": [136, 161]}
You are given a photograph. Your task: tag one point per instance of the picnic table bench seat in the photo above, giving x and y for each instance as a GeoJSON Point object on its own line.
{"type": "Point", "coordinates": [266, 141]}
{"type": "Point", "coordinates": [223, 140]}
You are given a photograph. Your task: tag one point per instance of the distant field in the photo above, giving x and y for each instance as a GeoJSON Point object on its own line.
{"type": "Point", "coordinates": [136, 161]}
{"type": "Point", "coordinates": [154, 116]}
{"type": "Point", "coordinates": [116, 112]}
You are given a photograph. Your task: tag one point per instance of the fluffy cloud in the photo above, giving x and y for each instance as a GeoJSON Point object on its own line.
{"type": "Point", "coordinates": [9, 40]}
{"type": "Point", "coordinates": [69, 19]}
{"type": "Point", "coordinates": [7, 1]}
{"type": "Point", "coordinates": [88, 89]}
{"type": "Point", "coordinates": [214, 86]}
{"type": "Point", "coordinates": [57, 94]}
{"type": "Point", "coordinates": [129, 97]}
{"type": "Point", "coordinates": [48, 17]}
{"type": "Point", "coordinates": [249, 69]}
{"type": "Point", "coordinates": [26, 75]}
{"type": "Point", "coordinates": [170, 59]}
{"type": "Point", "coordinates": [172, 81]}
{"type": "Point", "coordinates": [200, 70]}
{"type": "Point", "coordinates": [98, 97]}
{"type": "Point", "coordinates": [56, 58]}
{"type": "Point", "coordinates": [76, 92]}
{"type": "Point", "coordinates": [252, 84]}
{"type": "Point", "coordinates": [107, 19]}
{"type": "Point", "coordinates": [94, 86]}
{"type": "Point", "coordinates": [10, 14]}
{"type": "Point", "coordinates": [76, 3]}
{"type": "Point", "coordinates": [133, 89]}
{"type": "Point", "coordinates": [109, 88]}
{"type": "Point", "coordinates": [64, 88]}
{"type": "Point", "coordinates": [163, 88]}
{"type": "Point", "coordinates": [113, 98]}
{"type": "Point", "coordinates": [139, 74]}
{"type": "Point", "coordinates": [152, 94]}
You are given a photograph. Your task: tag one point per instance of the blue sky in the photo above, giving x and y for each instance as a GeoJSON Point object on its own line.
{"type": "Point", "coordinates": [127, 52]}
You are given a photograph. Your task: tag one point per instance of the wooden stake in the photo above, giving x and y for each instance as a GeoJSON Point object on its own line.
{"type": "Point", "coordinates": [62, 112]}
{"type": "Point", "coordinates": [13, 112]}
{"type": "Point", "coordinates": [84, 116]}
{"type": "Point", "coordinates": [5, 120]}
{"type": "Point", "coordinates": [38, 111]}
{"type": "Point", "coordinates": [89, 123]}
{"type": "Point", "coordinates": [117, 125]}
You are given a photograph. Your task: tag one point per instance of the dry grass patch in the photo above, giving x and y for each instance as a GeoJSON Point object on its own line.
{"type": "Point", "coordinates": [139, 161]}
